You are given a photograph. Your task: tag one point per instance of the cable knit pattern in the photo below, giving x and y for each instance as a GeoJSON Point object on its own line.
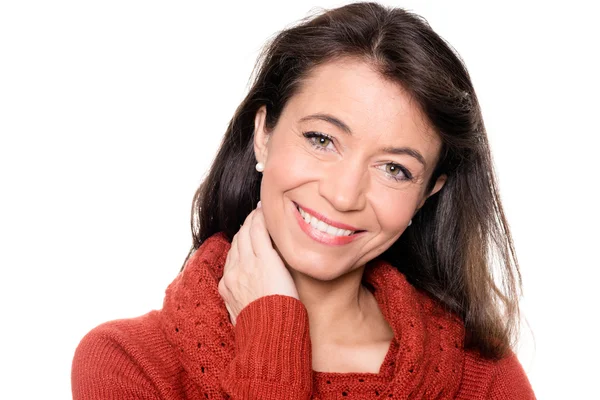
{"type": "Point", "coordinates": [190, 350]}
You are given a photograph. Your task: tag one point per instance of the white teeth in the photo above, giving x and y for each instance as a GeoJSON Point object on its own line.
{"type": "Point", "coordinates": [314, 222]}
{"type": "Point", "coordinates": [332, 230]}
{"type": "Point", "coordinates": [305, 216]}
{"type": "Point", "coordinates": [322, 226]}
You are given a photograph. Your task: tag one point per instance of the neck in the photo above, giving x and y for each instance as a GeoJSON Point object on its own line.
{"type": "Point", "coordinates": [336, 307]}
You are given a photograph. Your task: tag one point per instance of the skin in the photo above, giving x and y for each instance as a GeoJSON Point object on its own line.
{"type": "Point", "coordinates": [349, 180]}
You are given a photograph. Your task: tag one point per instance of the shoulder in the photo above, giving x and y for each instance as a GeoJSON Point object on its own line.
{"type": "Point", "coordinates": [142, 335]}
{"type": "Point", "coordinates": [124, 356]}
{"type": "Point", "coordinates": [496, 379]}
{"type": "Point", "coordinates": [509, 380]}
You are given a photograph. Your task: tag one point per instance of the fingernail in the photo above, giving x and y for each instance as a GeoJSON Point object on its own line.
{"type": "Point", "coordinates": [259, 205]}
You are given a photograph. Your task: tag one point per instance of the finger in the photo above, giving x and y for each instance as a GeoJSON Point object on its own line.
{"type": "Point", "coordinates": [259, 235]}
{"type": "Point", "coordinates": [245, 245]}
{"type": "Point", "coordinates": [221, 288]}
{"type": "Point", "coordinates": [231, 315]}
{"type": "Point", "coordinates": [234, 245]}
{"type": "Point", "coordinates": [224, 291]}
{"type": "Point", "coordinates": [232, 256]}
{"type": "Point", "coordinates": [247, 219]}
{"type": "Point", "coordinates": [229, 312]}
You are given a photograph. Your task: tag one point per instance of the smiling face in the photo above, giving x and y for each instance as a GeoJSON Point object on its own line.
{"type": "Point", "coordinates": [352, 149]}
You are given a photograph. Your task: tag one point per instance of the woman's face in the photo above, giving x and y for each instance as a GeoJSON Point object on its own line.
{"type": "Point", "coordinates": [332, 154]}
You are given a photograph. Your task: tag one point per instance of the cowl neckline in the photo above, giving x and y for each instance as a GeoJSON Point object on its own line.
{"type": "Point", "coordinates": [425, 359]}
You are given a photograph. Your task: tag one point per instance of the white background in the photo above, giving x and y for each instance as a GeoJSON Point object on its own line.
{"type": "Point", "coordinates": [111, 112]}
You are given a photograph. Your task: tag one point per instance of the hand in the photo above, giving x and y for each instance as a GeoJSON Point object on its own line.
{"type": "Point", "coordinates": [253, 269]}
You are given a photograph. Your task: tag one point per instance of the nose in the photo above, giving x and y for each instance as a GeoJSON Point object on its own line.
{"type": "Point", "coordinates": [344, 185]}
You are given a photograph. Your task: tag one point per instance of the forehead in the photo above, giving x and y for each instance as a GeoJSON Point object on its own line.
{"type": "Point", "coordinates": [372, 106]}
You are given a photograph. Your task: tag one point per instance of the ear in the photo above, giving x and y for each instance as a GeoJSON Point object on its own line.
{"type": "Point", "coordinates": [261, 136]}
{"type": "Point", "coordinates": [436, 188]}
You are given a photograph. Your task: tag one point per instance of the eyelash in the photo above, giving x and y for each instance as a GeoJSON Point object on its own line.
{"type": "Point", "coordinates": [318, 135]}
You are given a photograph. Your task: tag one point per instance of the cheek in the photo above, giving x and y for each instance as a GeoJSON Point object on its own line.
{"type": "Point", "coordinates": [394, 209]}
{"type": "Point", "coordinates": [288, 167]}
{"type": "Point", "coordinates": [283, 173]}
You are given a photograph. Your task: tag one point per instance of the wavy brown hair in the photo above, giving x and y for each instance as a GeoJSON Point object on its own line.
{"type": "Point", "coordinates": [459, 248]}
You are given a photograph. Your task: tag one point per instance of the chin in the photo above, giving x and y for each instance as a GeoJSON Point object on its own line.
{"type": "Point", "coordinates": [313, 266]}
{"type": "Point", "coordinates": [318, 275]}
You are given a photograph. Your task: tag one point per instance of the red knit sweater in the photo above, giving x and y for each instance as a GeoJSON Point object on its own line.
{"type": "Point", "coordinates": [190, 350]}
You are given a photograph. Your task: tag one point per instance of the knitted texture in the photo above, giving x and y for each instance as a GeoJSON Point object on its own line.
{"type": "Point", "coordinates": [190, 349]}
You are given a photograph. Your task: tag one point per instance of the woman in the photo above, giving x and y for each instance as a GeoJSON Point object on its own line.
{"type": "Point", "coordinates": [364, 271]}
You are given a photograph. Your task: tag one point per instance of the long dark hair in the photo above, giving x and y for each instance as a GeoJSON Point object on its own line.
{"type": "Point", "coordinates": [459, 246]}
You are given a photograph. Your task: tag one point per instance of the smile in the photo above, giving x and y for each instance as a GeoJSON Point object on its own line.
{"type": "Point", "coordinates": [323, 226]}
{"type": "Point", "coordinates": [330, 232]}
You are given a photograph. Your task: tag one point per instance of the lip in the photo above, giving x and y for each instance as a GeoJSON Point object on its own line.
{"type": "Point", "coordinates": [323, 237]}
{"type": "Point", "coordinates": [327, 220]}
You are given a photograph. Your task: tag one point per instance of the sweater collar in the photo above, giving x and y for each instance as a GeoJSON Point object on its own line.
{"type": "Point", "coordinates": [426, 356]}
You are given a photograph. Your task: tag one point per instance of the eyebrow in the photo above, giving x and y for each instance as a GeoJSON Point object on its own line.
{"type": "Point", "coordinates": [346, 129]}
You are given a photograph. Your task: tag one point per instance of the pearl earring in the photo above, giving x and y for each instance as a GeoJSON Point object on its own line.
{"type": "Point", "coordinates": [260, 167]}
{"type": "Point", "coordinates": [409, 222]}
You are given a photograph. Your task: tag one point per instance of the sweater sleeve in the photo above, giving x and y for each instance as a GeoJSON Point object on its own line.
{"type": "Point", "coordinates": [509, 381]}
{"type": "Point", "coordinates": [273, 352]}
{"type": "Point", "coordinates": [105, 368]}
